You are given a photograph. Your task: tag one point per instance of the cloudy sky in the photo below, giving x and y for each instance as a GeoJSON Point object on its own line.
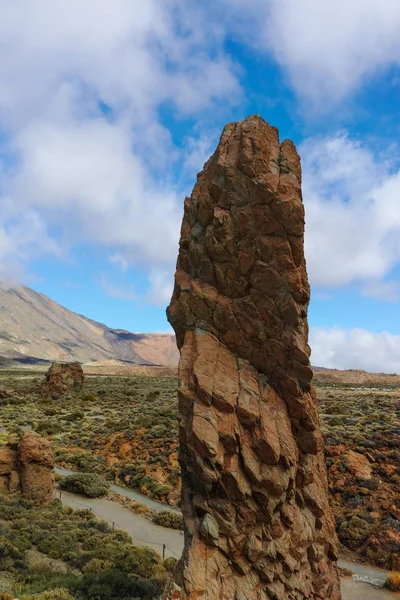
{"type": "Point", "coordinates": [109, 108]}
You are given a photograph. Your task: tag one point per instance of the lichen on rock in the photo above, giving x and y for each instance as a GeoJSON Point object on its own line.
{"type": "Point", "coordinates": [254, 488]}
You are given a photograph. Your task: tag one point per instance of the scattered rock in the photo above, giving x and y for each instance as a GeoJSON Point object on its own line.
{"type": "Point", "coordinates": [9, 476]}
{"type": "Point", "coordinates": [63, 379]}
{"type": "Point", "coordinates": [378, 583]}
{"type": "Point", "coordinates": [27, 469]}
{"type": "Point", "coordinates": [36, 459]}
{"type": "Point", "coordinates": [358, 464]}
{"type": "Point", "coordinates": [254, 486]}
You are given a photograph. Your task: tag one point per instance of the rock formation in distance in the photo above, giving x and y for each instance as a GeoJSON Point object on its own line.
{"type": "Point", "coordinates": [258, 525]}
{"type": "Point", "coordinates": [63, 379]}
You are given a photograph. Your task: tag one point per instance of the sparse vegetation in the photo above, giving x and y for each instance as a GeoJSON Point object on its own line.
{"type": "Point", "coordinates": [168, 519]}
{"type": "Point", "coordinates": [393, 582]}
{"type": "Point", "coordinates": [91, 485]}
{"type": "Point", "coordinates": [125, 429]}
{"type": "Point", "coordinates": [98, 564]}
{"type": "Point", "coordinates": [365, 491]}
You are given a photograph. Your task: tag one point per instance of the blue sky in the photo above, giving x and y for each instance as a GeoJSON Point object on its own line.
{"type": "Point", "coordinates": [108, 109]}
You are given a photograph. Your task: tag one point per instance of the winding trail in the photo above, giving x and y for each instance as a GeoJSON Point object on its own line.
{"type": "Point", "coordinates": [131, 494]}
{"type": "Point", "coordinates": [372, 575]}
{"type": "Point", "coordinates": [142, 531]}
{"type": "Point", "coordinates": [366, 583]}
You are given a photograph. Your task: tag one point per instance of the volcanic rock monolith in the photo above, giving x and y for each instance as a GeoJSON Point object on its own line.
{"type": "Point", "coordinates": [254, 487]}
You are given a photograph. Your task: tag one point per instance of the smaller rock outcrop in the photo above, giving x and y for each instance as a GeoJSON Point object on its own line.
{"type": "Point", "coordinates": [36, 463]}
{"type": "Point", "coordinates": [63, 379]}
{"type": "Point", "coordinates": [27, 468]}
{"type": "Point", "coordinates": [9, 476]}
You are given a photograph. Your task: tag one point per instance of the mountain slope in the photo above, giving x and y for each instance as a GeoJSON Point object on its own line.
{"type": "Point", "coordinates": [32, 325]}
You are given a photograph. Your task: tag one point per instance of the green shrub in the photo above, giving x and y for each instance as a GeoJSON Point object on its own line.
{"type": "Point", "coordinates": [336, 421]}
{"type": "Point", "coordinates": [169, 563]}
{"type": "Point", "coordinates": [76, 415]}
{"type": "Point", "coordinates": [166, 518]}
{"type": "Point", "coordinates": [55, 594]}
{"type": "Point", "coordinates": [89, 398]}
{"type": "Point", "coordinates": [88, 484]}
{"type": "Point", "coordinates": [48, 428]}
{"type": "Point", "coordinates": [114, 584]}
{"type": "Point", "coordinates": [353, 532]}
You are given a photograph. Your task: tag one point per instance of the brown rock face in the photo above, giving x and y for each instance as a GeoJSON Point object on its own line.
{"type": "Point", "coordinates": [63, 379]}
{"type": "Point", "coordinates": [27, 469]}
{"type": "Point", "coordinates": [9, 476]}
{"type": "Point", "coordinates": [255, 501]}
{"type": "Point", "coordinates": [36, 464]}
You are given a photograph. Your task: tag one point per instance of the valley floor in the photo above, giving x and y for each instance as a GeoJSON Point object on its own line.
{"type": "Point", "coordinates": [125, 428]}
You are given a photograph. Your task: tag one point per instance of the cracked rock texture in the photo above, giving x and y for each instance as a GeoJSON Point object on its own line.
{"type": "Point", "coordinates": [27, 468]}
{"type": "Point", "coordinates": [63, 379]}
{"type": "Point", "coordinates": [255, 502]}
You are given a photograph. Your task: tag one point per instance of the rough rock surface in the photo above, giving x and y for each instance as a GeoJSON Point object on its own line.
{"type": "Point", "coordinates": [36, 460]}
{"type": "Point", "coordinates": [9, 476]}
{"type": "Point", "coordinates": [358, 464]}
{"type": "Point", "coordinates": [255, 502]}
{"type": "Point", "coordinates": [63, 379]}
{"type": "Point", "coordinates": [27, 468]}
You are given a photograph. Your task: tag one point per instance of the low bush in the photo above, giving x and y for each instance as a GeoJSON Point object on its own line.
{"type": "Point", "coordinates": [114, 584]}
{"type": "Point", "coordinates": [88, 484]}
{"type": "Point", "coordinates": [169, 563]}
{"type": "Point", "coordinates": [48, 428]}
{"type": "Point", "coordinates": [353, 532]}
{"type": "Point", "coordinates": [393, 582]}
{"type": "Point", "coordinates": [55, 594]}
{"type": "Point", "coordinates": [336, 421]}
{"type": "Point", "coordinates": [166, 518]}
{"type": "Point", "coordinates": [110, 566]}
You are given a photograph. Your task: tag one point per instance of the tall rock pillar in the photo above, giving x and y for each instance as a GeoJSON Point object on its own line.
{"type": "Point", "coordinates": [255, 502]}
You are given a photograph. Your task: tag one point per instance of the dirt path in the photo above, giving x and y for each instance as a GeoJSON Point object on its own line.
{"type": "Point", "coordinates": [153, 504]}
{"type": "Point", "coordinates": [372, 575]}
{"type": "Point", "coordinates": [355, 590]}
{"type": "Point", "coordinates": [142, 531]}
{"type": "Point", "coordinates": [146, 533]}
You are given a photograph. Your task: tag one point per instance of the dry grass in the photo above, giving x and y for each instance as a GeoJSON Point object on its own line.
{"type": "Point", "coordinates": [393, 582]}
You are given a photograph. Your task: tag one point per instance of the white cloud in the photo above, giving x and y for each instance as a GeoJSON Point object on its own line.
{"type": "Point", "coordinates": [17, 238]}
{"type": "Point", "coordinates": [383, 290]}
{"type": "Point", "coordinates": [162, 284]}
{"type": "Point", "coordinates": [328, 48]}
{"type": "Point", "coordinates": [84, 152]}
{"type": "Point", "coordinates": [85, 155]}
{"type": "Point", "coordinates": [131, 54]}
{"type": "Point", "coordinates": [355, 349]}
{"type": "Point", "coordinates": [119, 261]}
{"type": "Point", "coordinates": [199, 149]}
{"type": "Point", "coordinates": [352, 204]}
{"type": "Point", "coordinates": [84, 177]}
